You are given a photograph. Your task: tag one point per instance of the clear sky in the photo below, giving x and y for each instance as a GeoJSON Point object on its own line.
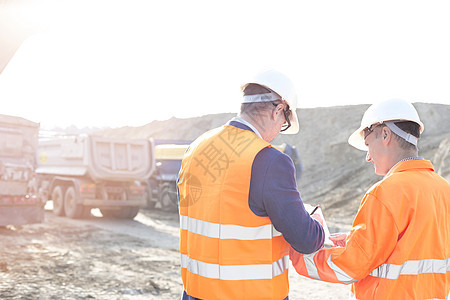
{"type": "Point", "coordinates": [126, 63]}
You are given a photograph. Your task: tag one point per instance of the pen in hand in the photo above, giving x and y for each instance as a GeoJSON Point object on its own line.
{"type": "Point", "coordinates": [314, 210]}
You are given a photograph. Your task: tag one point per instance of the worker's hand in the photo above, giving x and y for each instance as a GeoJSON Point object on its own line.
{"type": "Point", "coordinates": [338, 239]}
{"type": "Point", "coordinates": [318, 218]}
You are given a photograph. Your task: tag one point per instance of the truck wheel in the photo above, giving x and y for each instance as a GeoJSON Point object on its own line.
{"type": "Point", "coordinates": [129, 212]}
{"type": "Point", "coordinates": [71, 208]}
{"type": "Point", "coordinates": [166, 200]}
{"type": "Point", "coordinates": [58, 200]}
{"type": "Point", "coordinates": [122, 213]}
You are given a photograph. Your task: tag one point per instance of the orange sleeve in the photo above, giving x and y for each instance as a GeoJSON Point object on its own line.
{"type": "Point", "coordinates": [372, 239]}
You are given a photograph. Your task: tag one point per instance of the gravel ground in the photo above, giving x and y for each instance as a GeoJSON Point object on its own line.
{"type": "Point", "coordinates": [99, 258]}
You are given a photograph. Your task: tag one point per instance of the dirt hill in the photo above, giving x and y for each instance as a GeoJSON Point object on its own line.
{"type": "Point", "coordinates": [335, 174]}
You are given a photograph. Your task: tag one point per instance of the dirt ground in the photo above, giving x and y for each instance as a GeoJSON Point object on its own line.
{"type": "Point", "coordinates": [99, 258]}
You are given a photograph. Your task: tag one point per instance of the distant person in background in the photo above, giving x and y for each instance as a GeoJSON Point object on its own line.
{"type": "Point", "coordinates": [399, 244]}
{"type": "Point", "coordinates": [292, 152]}
{"type": "Point", "coordinates": [239, 203]}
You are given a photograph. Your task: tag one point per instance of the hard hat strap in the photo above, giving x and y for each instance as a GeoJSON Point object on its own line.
{"type": "Point", "coordinates": [269, 97]}
{"type": "Point", "coordinates": [404, 135]}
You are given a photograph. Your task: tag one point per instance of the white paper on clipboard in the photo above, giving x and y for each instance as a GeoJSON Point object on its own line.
{"type": "Point", "coordinates": [309, 209]}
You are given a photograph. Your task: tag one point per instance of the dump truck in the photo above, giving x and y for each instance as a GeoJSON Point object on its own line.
{"type": "Point", "coordinates": [81, 172]}
{"type": "Point", "coordinates": [19, 201]}
{"type": "Point", "coordinates": [162, 185]}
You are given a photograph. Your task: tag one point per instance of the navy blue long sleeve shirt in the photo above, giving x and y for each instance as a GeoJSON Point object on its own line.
{"type": "Point", "coordinates": [273, 193]}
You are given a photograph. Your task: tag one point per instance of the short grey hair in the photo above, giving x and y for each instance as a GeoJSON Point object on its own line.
{"type": "Point", "coordinates": [256, 108]}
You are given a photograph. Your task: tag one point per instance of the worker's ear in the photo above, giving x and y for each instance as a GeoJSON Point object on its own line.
{"type": "Point", "coordinates": [274, 112]}
{"type": "Point", "coordinates": [386, 135]}
{"type": "Point", "coordinates": [277, 110]}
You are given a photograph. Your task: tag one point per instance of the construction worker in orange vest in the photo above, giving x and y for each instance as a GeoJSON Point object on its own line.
{"type": "Point", "coordinates": [399, 244]}
{"type": "Point", "coordinates": [239, 204]}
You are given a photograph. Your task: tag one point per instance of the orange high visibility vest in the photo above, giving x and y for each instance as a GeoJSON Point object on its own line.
{"type": "Point", "coordinates": [399, 245]}
{"type": "Point", "coordinates": [227, 252]}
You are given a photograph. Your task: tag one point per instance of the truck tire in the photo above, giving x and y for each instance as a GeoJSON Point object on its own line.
{"type": "Point", "coordinates": [120, 213]}
{"type": "Point", "coordinates": [71, 208]}
{"type": "Point", "coordinates": [131, 212]}
{"type": "Point", "coordinates": [58, 200]}
{"type": "Point", "coordinates": [166, 199]}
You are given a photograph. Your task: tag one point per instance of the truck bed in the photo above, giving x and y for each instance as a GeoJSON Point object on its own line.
{"type": "Point", "coordinates": [97, 157]}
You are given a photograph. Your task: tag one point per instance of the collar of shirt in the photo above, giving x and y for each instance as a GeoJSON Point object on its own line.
{"type": "Point", "coordinates": [242, 121]}
{"type": "Point", "coordinates": [411, 158]}
{"type": "Point", "coordinates": [405, 159]}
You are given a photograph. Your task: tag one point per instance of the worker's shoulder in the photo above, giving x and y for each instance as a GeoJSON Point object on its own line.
{"type": "Point", "coordinates": [272, 165]}
{"type": "Point", "coordinates": [397, 183]}
{"type": "Point", "coordinates": [270, 155]}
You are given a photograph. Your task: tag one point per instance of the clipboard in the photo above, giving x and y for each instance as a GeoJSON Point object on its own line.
{"type": "Point", "coordinates": [309, 209]}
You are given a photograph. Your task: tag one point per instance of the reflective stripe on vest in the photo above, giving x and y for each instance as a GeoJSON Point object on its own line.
{"type": "Point", "coordinates": [313, 272]}
{"type": "Point", "coordinates": [387, 271]}
{"type": "Point", "coordinates": [222, 231]}
{"type": "Point", "coordinates": [244, 272]}
{"type": "Point", "coordinates": [227, 252]}
{"type": "Point", "coordinates": [412, 267]}
{"type": "Point", "coordinates": [352, 297]}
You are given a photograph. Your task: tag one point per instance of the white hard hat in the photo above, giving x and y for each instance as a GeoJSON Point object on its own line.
{"type": "Point", "coordinates": [281, 85]}
{"type": "Point", "coordinates": [389, 110]}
